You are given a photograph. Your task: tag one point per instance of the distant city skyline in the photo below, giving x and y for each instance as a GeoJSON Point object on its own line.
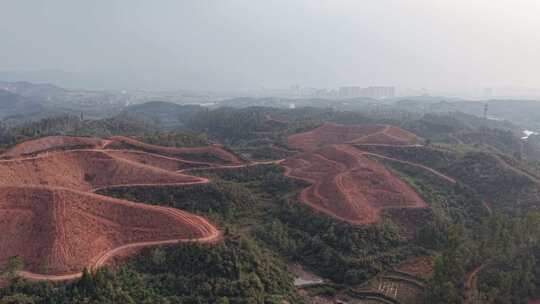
{"type": "Point", "coordinates": [223, 45]}
{"type": "Point", "coordinates": [73, 81]}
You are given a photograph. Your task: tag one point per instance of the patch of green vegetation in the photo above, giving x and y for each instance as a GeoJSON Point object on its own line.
{"type": "Point", "coordinates": [335, 250]}
{"type": "Point", "coordinates": [494, 180]}
{"type": "Point", "coordinates": [174, 139]}
{"type": "Point", "coordinates": [503, 250]}
{"type": "Point", "coordinates": [235, 271]}
{"type": "Point", "coordinates": [226, 202]}
{"type": "Point", "coordinates": [262, 197]}
{"type": "Point", "coordinates": [73, 126]}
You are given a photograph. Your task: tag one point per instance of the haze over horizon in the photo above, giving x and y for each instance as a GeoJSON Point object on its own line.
{"type": "Point", "coordinates": [221, 45]}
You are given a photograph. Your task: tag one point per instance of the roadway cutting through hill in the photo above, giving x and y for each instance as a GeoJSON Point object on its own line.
{"type": "Point", "coordinates": [65, 172]}
{"type": "Point", "coordinates": [348, 183]}
{"type": "Point", "coordinates": [122, 161]}
{"type": "Point", "coordinates": [470, 282]}
{"type": "Point", "coordinates": [210, 232]}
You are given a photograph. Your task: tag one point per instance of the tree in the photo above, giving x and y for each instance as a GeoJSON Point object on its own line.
{"type": "Point", "coordinates": [86, 283]}
{"type": "Point", "coordinates": [18, 298]}
{"type": "Point", "coordinates": [14, 264]}
{"type": "Point", "coordinates": [442, 290]}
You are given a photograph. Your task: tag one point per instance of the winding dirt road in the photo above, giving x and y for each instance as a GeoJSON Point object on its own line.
{"type": "Point", "coordinates": [430, 170]}
{"type": "Point", "coordinates": [310, 194]}
{"type": "Point", "coordinates": [210, 232]}
{"type": "Point", "coordinates": [213, 235]}
{"type": "Point", "coordinates": [470, 284]}
{"type": "Point", "coordinates": [251, 164]}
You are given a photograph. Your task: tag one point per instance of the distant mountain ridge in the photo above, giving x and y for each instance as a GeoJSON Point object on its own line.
{"type": "Point", "coordinates": [14, 106]}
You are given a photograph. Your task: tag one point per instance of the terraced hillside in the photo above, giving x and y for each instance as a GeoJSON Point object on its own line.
{"type": "Point", "coordinates": [58, 226]}
{"type": "Point", "coordinates": [330, 133]}
{"type": "Point", "coordinates": [60, 231]}
{"type": "Point", "coordinates": [348, 185]}
{"type": "Point", "coordinates": [503, 182]}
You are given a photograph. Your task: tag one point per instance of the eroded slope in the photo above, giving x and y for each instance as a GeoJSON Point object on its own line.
{"type": "Point", "coordinates": [348, 185]}
{"type": "Point", "coordinates": [51, 218]}
{"type": "Point", "coordinates": [208, 154]}
{"type": "Point", "coordinates": [85, 170]}
{"type": "Point", "coordinates": [330, 133]}
{"type": "Point", "coordinates": [52, 143]}
{"type": "Point", "coordinates": [56, 230]}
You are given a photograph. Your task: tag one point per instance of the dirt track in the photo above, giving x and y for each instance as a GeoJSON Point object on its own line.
{"type": "Point", "coordinates": [86, 227]}
{"type": "Point", "coordinates": [470, 284]}
{"type": "Point", "coordinates": [35, 167]}
{"type": "Point", "coordinates": [304, 195]}
{"type": "Point", "coordinates": [349, 186]}
{"type": "Point", "coordinates": [223, 156]}
{"type": "Point", "coordinates": [251, 164]}
{"type": "Point", "coordinates": [430, 170]}
{"type": "Point", "coordinates": [331, 134]}
{"type": "Point", "coordinates": [59, 171]}
{"type": "Point", "coordinates": [212, 235]}
{"type": "Point", "coordinates": [345, 183]}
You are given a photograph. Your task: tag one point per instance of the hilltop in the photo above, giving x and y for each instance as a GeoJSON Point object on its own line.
{"type": "Point", "coordinates": [48, 201]}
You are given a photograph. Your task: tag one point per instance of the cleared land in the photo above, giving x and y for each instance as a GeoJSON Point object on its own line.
{"type": "Point", "coordinates": [61, 231]}
{"type": "Point", "coordinates": [214, 152]}
{"type": "Point", "coordinates": [347, 182]}
{"type": "Point", "coordinates": [348, 185]}
{"type": "Point", "coordinates": [329, 134]}
{"type": "Point", "coordinates": [85, 170]}
{"type": "Point", "coordinates": [51, 218]}
{"type": "Point", "coordinates": [52, 143]}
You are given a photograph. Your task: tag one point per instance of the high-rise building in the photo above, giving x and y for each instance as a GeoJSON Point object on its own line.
{"type": "Point", "coordinates": [349, 92]}
{"type": "Point", "coordinates": [379, 92]}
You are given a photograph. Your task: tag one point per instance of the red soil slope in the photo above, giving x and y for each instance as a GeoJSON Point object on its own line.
{"type": "Point", "coordinates": [171, 158]}
{"type": "Point", "coordinates": [330, 133]}
{"type": "Point", "coordinates": [52, 143]}
{"type": "Point", "coordinates": [159, 161]}
{"type": "Point", "coordinates": [85, 170]}
{"type": "Point", "coordinates": [50, 216]}
{"type": "Point", "coordinates": [56, 230]}
{"type": "Point", "coordinates": [217, 152]}
{"type": "Point", "coordinates": [348, 185]}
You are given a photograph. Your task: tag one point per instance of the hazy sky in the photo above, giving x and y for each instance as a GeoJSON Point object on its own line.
{"type": "Point", "coordinates": [220, 44]}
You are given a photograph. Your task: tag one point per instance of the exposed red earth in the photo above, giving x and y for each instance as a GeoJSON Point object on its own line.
{"type": "Point", "coordinates": [85, 170]}
{"type": "Point", "coordinates": [330, 133]}
{"type": "Point", "coordinates": [348, 183]}
{"type": "Point", "coordinates": [470, 283]}
{"type": "Point", "coordinates": [159, 161]}
{"type": "Point", "coordinates": [221, 155]}
{"type": "Point", "coordinates": [122, 143]}
{"type": "Point", "coordinates": [61, 231]}
{"type": "Point", "coordinates": [52, 143]}
{"type": "Point", "coordinates": [419, 166]}
{"type": "Point", "coordinates": [251, 164]}
{"type": "Point", "coordinates": [51, 218]}
{"type": "Point", "coordinates": [349, 186]}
